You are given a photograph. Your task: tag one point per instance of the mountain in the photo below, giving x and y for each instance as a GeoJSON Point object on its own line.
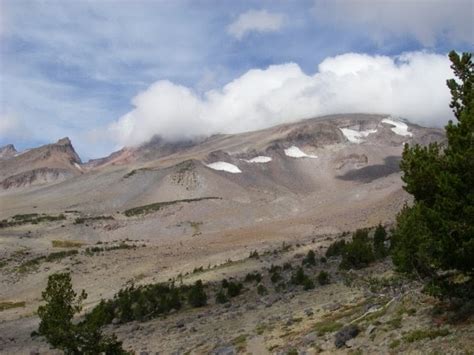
{"type": "Point", "coordinates": [7, 151]}
{"type": "Point", "coordinates": [283, 171]}
{"type": "Point", "coordinates": [46, 164]}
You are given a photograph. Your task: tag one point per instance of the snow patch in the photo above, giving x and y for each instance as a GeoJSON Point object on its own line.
{"type": "Point", "coordinates": [21, 153]}
{"type": "Point", "coordinates": [223, 166]}
{"type": "Point", "coordinates": [400, 127]}
{"type": "Point", "coordinates": [259, 159]}
{"type": "Point", "coordinates": [78, 166]}
{"type": "Point", "coordinates": [354, 136]}
{"type": "Point", "coordinates": [295, 152]}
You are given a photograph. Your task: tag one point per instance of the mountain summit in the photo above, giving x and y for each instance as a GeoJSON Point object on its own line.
{"type": "Point", "coordinates": [43, 165]}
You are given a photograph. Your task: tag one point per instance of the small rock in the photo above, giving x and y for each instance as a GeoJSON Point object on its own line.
{"type": "Point", "coordinates": [34, 352]}
{"type": "Point", "coordinates": [345, 334]}
{"type": "Point", "coordinates": [180, 324]}
{"type": "Point", "coordinates": [309, 312]}
{"type": "Point", "coordinates": [115, 321]}
{"type": "Point", "coordinates": [228, 350]}
{"type": "Point", "coordinates": [310, 338]}
{"type": "Point", "coordinates": [332, 307]}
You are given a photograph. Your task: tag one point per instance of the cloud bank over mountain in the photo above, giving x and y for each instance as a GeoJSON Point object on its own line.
{"type": "Point", "coordinates": [411, 85]}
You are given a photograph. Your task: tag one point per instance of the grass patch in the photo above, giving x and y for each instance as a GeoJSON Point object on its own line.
{"type": "Point", "coordinates": [30, 218]}
{"type": "Point", "coordinates": [82, 220]}
{"type": "Point", "coordinates": [66, 244]}
{"type": "Point", "coordinates": [395, 344]}
{"type": "Point", "coordinates": [240, 342]}
{"type": "Point", "coordinates": [3, 263]}
{"type": "Point", "coordinates": [96, 250]}
{"type": "Point", "coordinates": [34, 263]}
{"type": "Point", "coordinates": [421, 334]}
{"type": "Point", "coordinates": [9, 305]}
{"type": "Point", "coordinates": [153, 207]}
{"type": "Point", "coordinates": [261, 328]}
{"type": "Point", "coordinates": [395, 322]}
{"type": "Point", "coordinates": [327, 327]}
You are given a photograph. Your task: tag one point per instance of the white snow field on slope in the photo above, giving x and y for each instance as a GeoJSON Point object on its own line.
{"type": "Point", "coordinates": [259, 159]}
{"type": "Point", "coordinates": [400, 127]}
{"type": "Point", "coordinates": [223, 166]}
{"type": "Point", "coordinates": [295, 152]}
{"type": "Point", "coordinates": [354, 136]}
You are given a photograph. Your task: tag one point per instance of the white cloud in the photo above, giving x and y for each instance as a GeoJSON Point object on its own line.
{"type": "Point", "coordinates": [256, 21]}
{"type": "Point", "coordinates": [424, 20]}
{"type": "Point", "coordinates": [412, 85]}
{"type": "Point", "coordinates": [11, 128]}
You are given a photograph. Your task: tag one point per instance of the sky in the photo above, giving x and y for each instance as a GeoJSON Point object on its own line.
{"type": "Point", "coordinates": [114, 73]}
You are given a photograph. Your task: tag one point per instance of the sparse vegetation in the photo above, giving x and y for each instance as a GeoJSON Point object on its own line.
{"type": "Point", "coordinates": [9, 305]}
{"type": "Point", "coordinates": [153, 207]}
{"type": "Point", "coordinates": [56, 256]}
{"type": "Point", "coordinates": [327, 326]}
{"type": "Point", "coordinates": [66, 244]}
{"type": "Point", "coordinates": [96, 250]}
{"type": "Point", "coordinates": [82, 220]}
{"type": "Point", "coordinates": [420, 334]}
{"type": "Point", "coordinates": [31, 218]}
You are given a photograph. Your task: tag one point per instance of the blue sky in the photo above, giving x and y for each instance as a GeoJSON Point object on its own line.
{"type": "Point", "coordinates": [73, 68]}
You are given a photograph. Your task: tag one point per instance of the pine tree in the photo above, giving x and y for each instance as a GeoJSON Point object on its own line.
{"type": "Point", "coordinates": [436, 233]}
{"type": "Point", "coordinates": [57, 326]}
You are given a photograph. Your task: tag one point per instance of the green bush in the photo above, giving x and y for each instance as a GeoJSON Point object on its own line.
{"type": "Point", "coordinates": [358, 253]}
{"type": "Point", "coordinates": [380, 235]}
{"type": "Point", "coordinates": [275, 277]}
{"type": "Point", "coordinates": [262, 290]}
{"type": "Point", "coordinates": [221, 297]}
{"type": "Point", "coordinates": [310, 259]}
{"type": "Point", "coordinates": [300, 278]}
{"type": "Point", "coordinates": [141, 303]}
{"type": "Point", "coordinates": [234, 289]}
{"type": "Point", "coordinates": [255, 276]}
{"type": "Point", "coordinates": [323, 278]}
{"type": "Point", "coordinates": [336, 248]}
{"type": "Point", "coordinates": [254, 255]}
{"type": "Point", "coordinates": [197, 296]}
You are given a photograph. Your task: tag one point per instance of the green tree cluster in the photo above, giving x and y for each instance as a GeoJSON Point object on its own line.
{"type": "Point", "coordinates": [57, 326]}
